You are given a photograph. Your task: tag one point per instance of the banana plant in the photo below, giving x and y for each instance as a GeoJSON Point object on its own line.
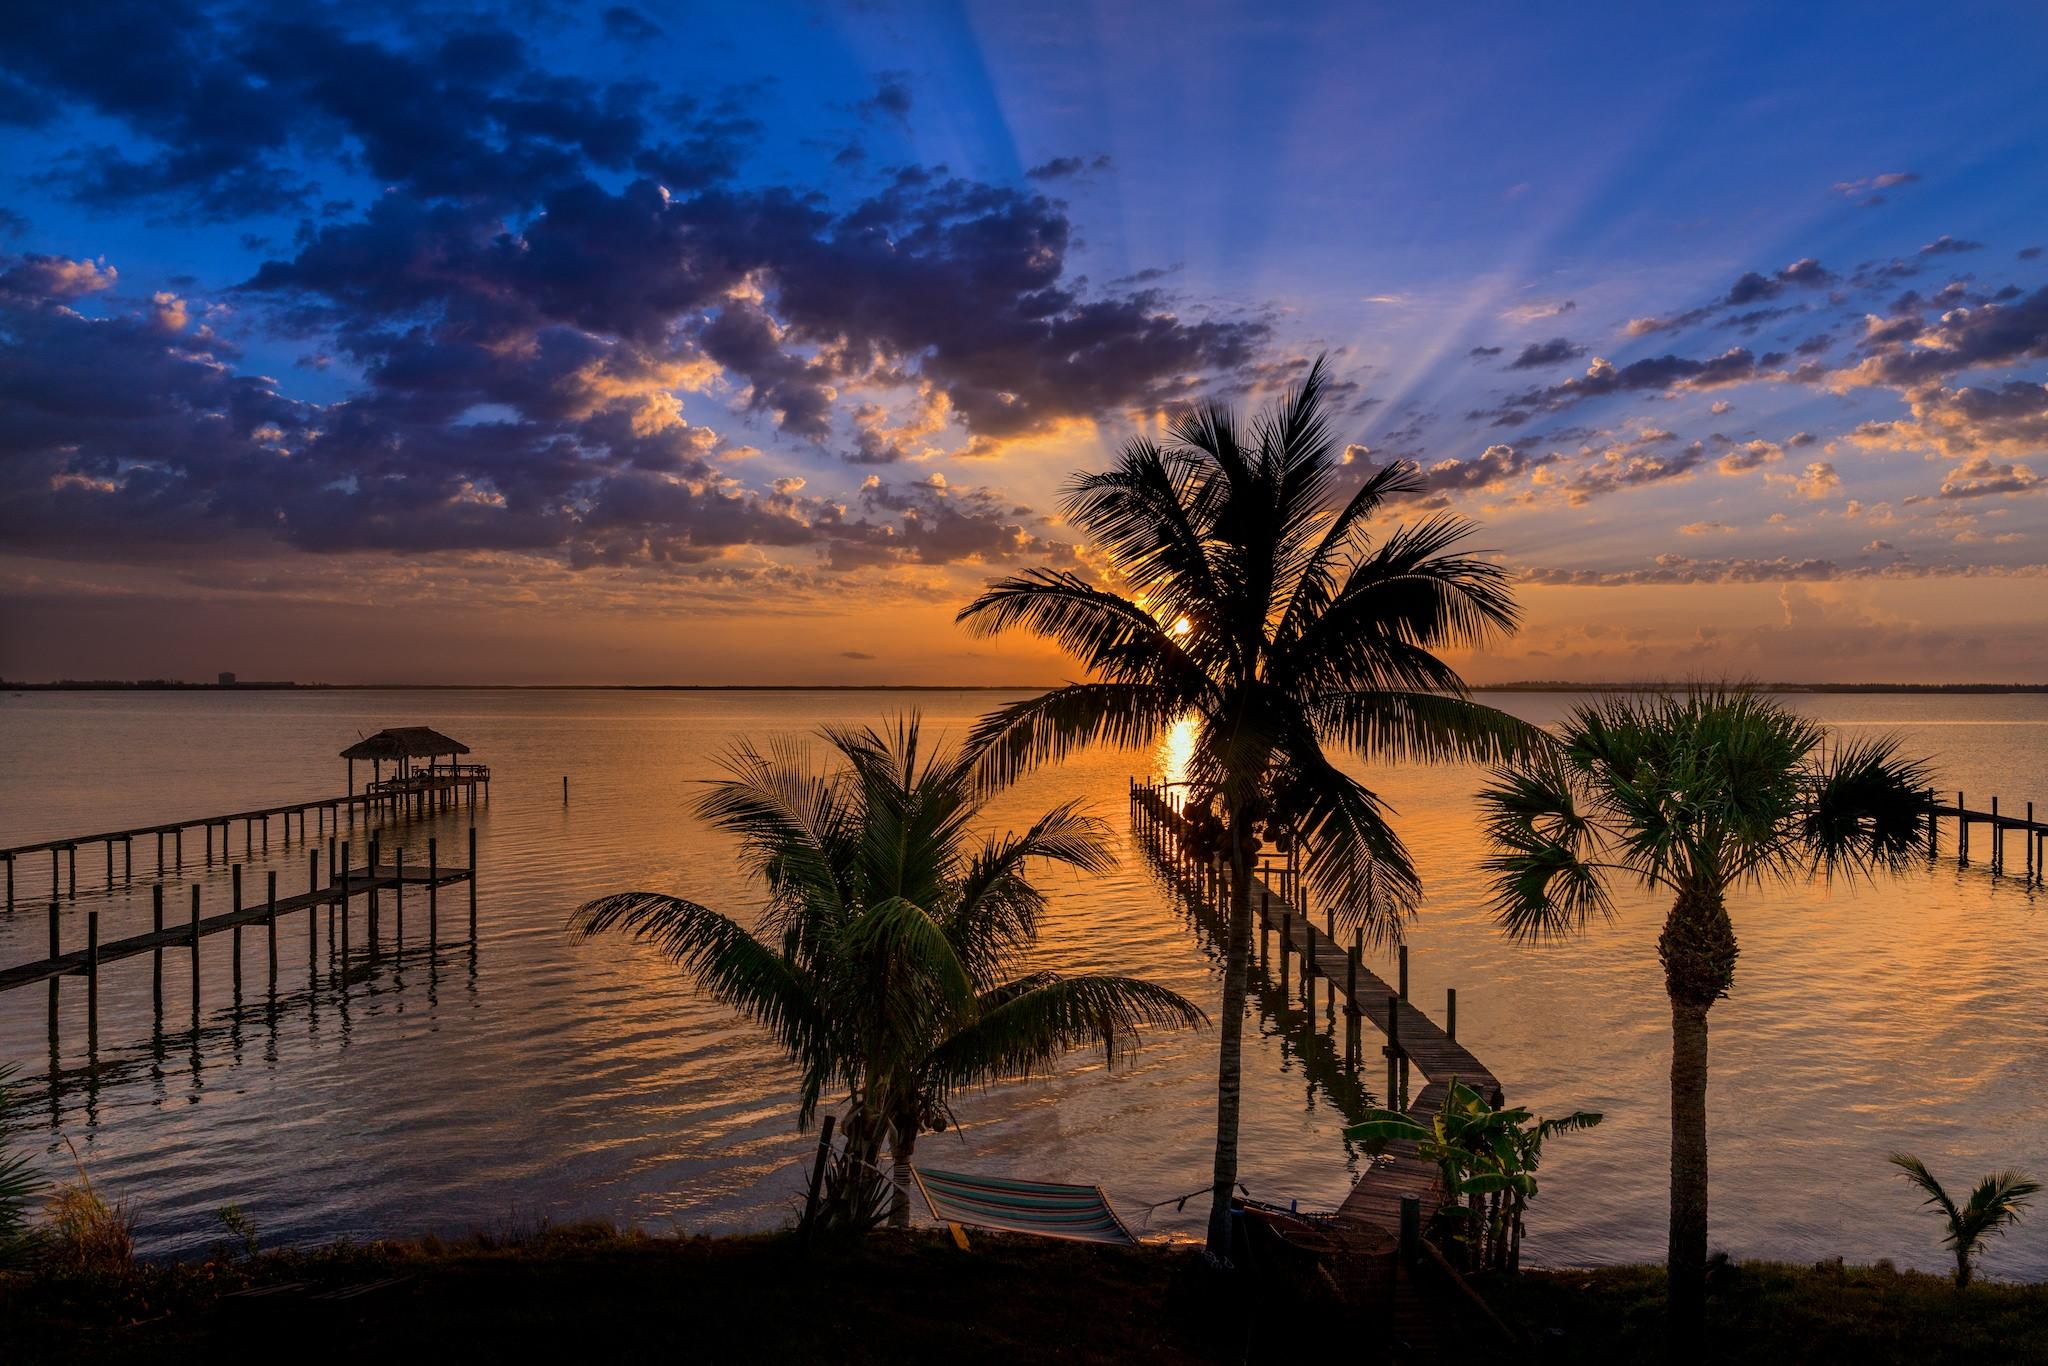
{"type": "Point", "coordinates": [1486, 1157]}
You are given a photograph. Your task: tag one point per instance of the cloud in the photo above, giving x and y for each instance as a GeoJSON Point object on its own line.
{"type": "Point", "coordinates": [1908, 352]}
{"type": "Point", "coordinates": [855, 654]}
{"type": "Point", "coordinates": [1869, 188]}
{"type": "Point", "coordinates": [35, 277]}
{"type": "Point", "coordinates": [1980, 478]}
{"type": "Point", "coordinates": [1065, 168]}
{"type": "Point", "coordinates": [1945, 245]}
{"type": "Point", "coordinates": [1538, 310]}
{"type": "Point", "coordinates": [1556, 351]}
{"type": "Point", "coordinates": [1484, 352]}
{"type": "Point", "coordinates": [624, 24]}
{"type": "Point", "coordinates": [1749, 455]}
{"type": "Point", "coordinates": [1818, 481]}
{"type": "Point", "coordinates": [1603, 377]}
{"type": "Point", "coordinates": [891, 98]}
{"type": "Point", "coordinates": [1684, 569]}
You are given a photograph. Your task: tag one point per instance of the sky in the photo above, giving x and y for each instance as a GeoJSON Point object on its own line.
{"type": "Point", "coordinates": [547, 343]}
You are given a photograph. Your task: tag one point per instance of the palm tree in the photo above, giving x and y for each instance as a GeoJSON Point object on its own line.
{"type": "Point", "coordinates": [19, 1185]}
{"type": "Point", "coordinates": [1256, 604]}
{"type": "Point", "coordinates": [1994, 1206]}
{"type": "Point", "coordinates": [1691, 795]}
{"type": "Point", "coordinates": [889, 958]}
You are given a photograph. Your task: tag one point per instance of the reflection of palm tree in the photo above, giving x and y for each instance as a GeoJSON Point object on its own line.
{"type": "Point", "coordinates": [1691, 795]}
{"type": "Point", "coordinates": [1994, 1205]}
{"type": "Point", "coordinates": [890, 956]}
{"type": "Point", "coordinates": [1260, 607]}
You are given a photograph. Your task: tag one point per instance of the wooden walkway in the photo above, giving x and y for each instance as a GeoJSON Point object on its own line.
{"type": "Point", "coordinates": [1998, 824]}
{"type": "Point", "coordinates": [418, 795]}
{"type": "Point", "coordinates": [1413, 1041]}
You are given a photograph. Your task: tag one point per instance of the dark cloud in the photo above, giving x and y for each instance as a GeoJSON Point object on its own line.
{"type": "Point", "coordinates": [1909, 352]}
{"type": "Point", "coordinates": [855, 654]}
{"type": "Point", "coordinates": [1536, 355]}
{"type": "Point", "coordinates": [892, 98]}
{"type": "Point", "coordinates": [1484, 352]}
{"type": "Point", "coordinates": [1806, 273]}
{"type": "Point", "coordinates": [1603, 378]}
{"type": "Point", "coordinates": [220, 103]}
{"type": "Point", "coordinates": [1945, 245]}
{"type": "Point", "coordinates": [2028, 253]}
{"type": "Point", "coordinates": [624, 24]}
{"type": "Point", "coordinates": [1064, 168]}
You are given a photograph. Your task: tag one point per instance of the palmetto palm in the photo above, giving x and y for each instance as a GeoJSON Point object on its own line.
{"type": "Point", "coordinates": [889, 958]}
{"type": "Point", "coordinates": [1261, 608]}
{"type": "Point", "coordinates": [1994, 1204]}
{"type": "Point", "coordinates": [1691, 795]}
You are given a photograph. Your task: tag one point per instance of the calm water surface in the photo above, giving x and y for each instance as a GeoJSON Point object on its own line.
{"type": "Point", "coordinates": [544, 1076]}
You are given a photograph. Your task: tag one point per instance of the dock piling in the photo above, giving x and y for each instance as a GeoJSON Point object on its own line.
{"type": "Point", "coordinates": [235, 943]}
{"type": "Point", "coordinates": [156, 926]}
{"type": "Point", "coordinates": [270, 923]}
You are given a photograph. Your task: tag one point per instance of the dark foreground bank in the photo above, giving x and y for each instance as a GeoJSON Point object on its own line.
{"type": "Point", "coordinates": [589, 1293]}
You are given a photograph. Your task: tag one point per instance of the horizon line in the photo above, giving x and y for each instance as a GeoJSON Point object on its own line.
{"type": "Point", "coordinates": [1518, 685]}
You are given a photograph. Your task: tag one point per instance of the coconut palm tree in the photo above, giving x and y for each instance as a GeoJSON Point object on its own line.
{"type": "Point", "coordinates": [1692, 796]}
{"type": "Point", "coordinates": [1247, 594]}
{"type": "Point", "coordinates": [1994, 1205]}
{"type": "Point", "coordinates": [889, 959]}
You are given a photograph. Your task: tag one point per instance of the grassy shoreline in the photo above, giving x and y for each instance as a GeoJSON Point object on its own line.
{"type": "Point", "coordinates": [588, 1290]}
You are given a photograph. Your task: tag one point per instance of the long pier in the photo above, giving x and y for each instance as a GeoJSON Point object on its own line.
{"type": "Point", "coordinates": [418, 794]}
{"type": "Point", "coordinates": [345, 886]}
{"type": "Point", "coordinates": [2033, 835]}
{"type": "Point", "coordinates": [1393, 1201]}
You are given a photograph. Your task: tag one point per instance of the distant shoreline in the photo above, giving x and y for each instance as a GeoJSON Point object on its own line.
{"type": "Point", "coordinates": [1538, 686]}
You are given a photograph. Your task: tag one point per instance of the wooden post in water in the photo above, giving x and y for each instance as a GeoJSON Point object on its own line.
{"type": "Point", "coordinates": [270, 922]}
{"type": "Point", "coordinates": [433, 895]}
{"type": "Point", "coordinates": [1997, 840]}
{"type": "Point", "coordinates": [565, 789]}
{"type": "Point", "coordinates": [1403, 952]}
{"type": "Point", "coordinates": [156, 954]}
{"type": "Point", "coordinates": [54, 951]}
{"type": "Point", "coordinates": [92, 983]}
{"type": "Point", "coordinates": [1393, 1051]}
{"type": "Point", "coordinates": [1265, 926]}
{"type": "Point", "coordinates": [472, 884]}
{"type": "Point", "coordinates": [195, 955]}
{"type": "Point", "coordinates": [1286, 941]}
{"type": "Point", "coordinates": [178, 848]}
{"type": "Point", "coordinates": [235, 906]}
{"type": "Point", "coordinates": [398, 902]}
{"type": "Point", "coordinates": [1962, 831]}
{"type": "Point", "coordinates": [1451, 1014]}
{"type": "Point", "coordinates": [343, 908]}
{"type": "Point", "coordinates": [1933, 827]}
{"type": "Point", "coordinates": [372, 894]}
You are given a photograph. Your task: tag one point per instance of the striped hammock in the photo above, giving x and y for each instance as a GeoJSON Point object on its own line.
{"type": "Point", "coordinates": [1081, 1213]}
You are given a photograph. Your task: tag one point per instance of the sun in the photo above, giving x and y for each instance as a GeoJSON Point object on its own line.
{"type": "Point", "coordinates": [1183, 626]}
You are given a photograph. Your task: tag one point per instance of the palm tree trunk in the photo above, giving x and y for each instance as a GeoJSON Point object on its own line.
{"type": "Point", "coordinates": [902, 1144]}
{"type": "Point", "coordinates": [1230, 1051]}
{"type": "Point", "coordinates": [1687, 1263]}
{"type": "Point", "coordinates": [1698, 951]}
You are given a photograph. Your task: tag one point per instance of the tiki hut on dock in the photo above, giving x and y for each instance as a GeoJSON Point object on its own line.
{"type": "Point", "coordinates": [403, 746]}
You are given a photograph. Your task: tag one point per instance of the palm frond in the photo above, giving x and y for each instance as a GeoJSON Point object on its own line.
{"type": "Point", "coordinates": [728, 963]}
{"type": "Point", "coordinates": [1867, 807]}
{"type": "Point", "coordinates": [1917, 1173]}
{"type": "Point", "coordinates": [1421, 727]}
{"type": "Point", "coordinates": [1023, 735]}
{"type": "Point", "coordinates": [996, 908]}
{"type": "Point", "coordinates": [1026, 1025]}
{"type": "Point", "coordinates": [1542, 876]}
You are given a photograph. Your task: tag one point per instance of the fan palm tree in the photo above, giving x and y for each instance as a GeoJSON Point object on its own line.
{"type": "Point", "coordinates": [1994, 1205]}
{"type": "Point", "coordinates": [889, 959]}
{"type": "Point", "coordinates": [1691, 796]}
{"type": "Point", "coordinates": [1249, 596]}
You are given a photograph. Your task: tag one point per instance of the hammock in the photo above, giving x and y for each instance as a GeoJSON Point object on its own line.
{"type": "Point", "coordinates": [1080, 1213]}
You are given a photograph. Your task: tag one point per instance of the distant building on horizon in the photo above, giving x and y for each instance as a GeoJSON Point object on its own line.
{"type": "Point", "coordinates": [227, 680]}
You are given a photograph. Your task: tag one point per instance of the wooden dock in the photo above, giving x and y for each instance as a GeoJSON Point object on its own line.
{"type": "Point", "coordinates": [347, 887]}
{"type": "Point", "coordinates": [416, 795]}
{"type": "Point", "coordinates": [1397, 1196]}
{"type": "Point", "coordinates": [1997, 824]}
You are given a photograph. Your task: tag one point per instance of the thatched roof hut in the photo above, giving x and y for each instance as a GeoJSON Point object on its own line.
{"type": "Point", "coordinates": [405, 742]}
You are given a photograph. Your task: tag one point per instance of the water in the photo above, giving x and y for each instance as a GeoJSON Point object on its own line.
{"type": "Point", "coordinates": [545, 1076]}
